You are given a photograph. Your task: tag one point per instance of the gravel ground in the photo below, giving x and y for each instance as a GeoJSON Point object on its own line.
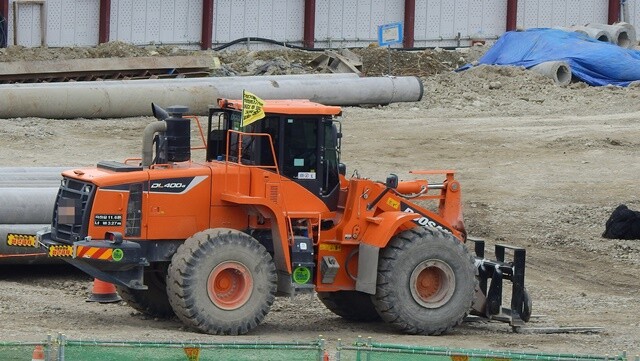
{"type": "Point", "coordinates": [541, 167]}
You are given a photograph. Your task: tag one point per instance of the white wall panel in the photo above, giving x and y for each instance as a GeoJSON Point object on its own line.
{"type": "Point", "coordinates": [441, 22]}
{"type": "Point", "coordinates": [67, 23]}
{"type": "Point", "coordinates": [354, 22]}
{"type": "Point", "coordinates": [280, 20]}
{"type": "Point", "coordinates": [78, 22]}
{"type": "Point", "coordinates": [28, 25]}
{"type": "Point", "coordinates": [156, 21]}
{"type": "Point", "coordinates": [634, 14]}
{"type": "Point", "coordinates": [338, 22]}
{"type": "Point", "coordinates": [550, 13]}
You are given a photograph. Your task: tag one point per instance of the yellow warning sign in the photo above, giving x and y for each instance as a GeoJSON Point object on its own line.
{"type": "Point", "coordinates": [251, 108]}
{"type": "Point", "coordinates": [60, 251]}
{"type": "Point", "coordinates": [21, 240]}
{"type": "Point", "coordinates": [330, 247]}
{"type": "Point", "coordinates": [393, 203]}
{"type": "Point", "coordinates": [193, 353]}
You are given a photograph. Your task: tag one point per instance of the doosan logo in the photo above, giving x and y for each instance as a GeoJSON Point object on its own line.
{"type": "Point", "coordinates": [426, 222]}
{"type": "Point", "coordinates": [168, 186]}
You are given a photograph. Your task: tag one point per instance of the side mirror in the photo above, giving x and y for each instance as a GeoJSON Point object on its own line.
{"type": "Point", "coordinates": [392, 181]}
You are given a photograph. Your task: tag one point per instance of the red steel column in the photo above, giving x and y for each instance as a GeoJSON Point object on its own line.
{"type": "Point", "coordinates": [614, 11]}
{"type": "Point", "coordinates": [309, 23]}
{"type": "Point", "coordinates": [207, 24]}
{"type": "Point", "coordinates": [512, 14]}
{"type": "Point", "coordinates": [409, 23]}
{"type": "Point", "coordinates": [4, 10]}
{"type": "Point", "coordinates": [104, 25]}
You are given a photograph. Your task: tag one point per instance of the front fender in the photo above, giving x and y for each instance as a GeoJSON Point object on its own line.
{"type": "Point", "coordinates": [382, 227]}
{"type": "Point", "coordinates": [380, 230]}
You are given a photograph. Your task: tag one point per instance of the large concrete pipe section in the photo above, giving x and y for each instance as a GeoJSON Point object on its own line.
{"type": "Point", "coordinates": [558, 71]}
{"type": "Point", "coordinates": [27, 205]}
{"type": "Point", "coordinates": [26, 170]}
{"type": "Point", "coordinates": [22, 255]}
{"type": "Point", "coordinates": [622, 34]}
{"type": "Point", "coordinates": [30, 177]}
{"type": "Point", "coordinates": [593, 33]}
{"type": "Point", "coordinates": [128, 98]}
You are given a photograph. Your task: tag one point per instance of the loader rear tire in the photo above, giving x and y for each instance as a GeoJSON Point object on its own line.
{"type": "Point", "coordinates": [222, 282]}
{"type": "Point", "coordinates": [350, 305]}
{"type": "Point", "coordinates": [153, 301]}
{"type": "Point", "coordinates": [426, 282]}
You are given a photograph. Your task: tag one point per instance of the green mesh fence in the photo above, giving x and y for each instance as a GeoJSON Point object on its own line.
{"type": "Point", "coordinates": [76, 350]}
{"type": "Point", "coordinates": [372, 351]}
{"type": "Point", "coordinates": [83, 350]}
{"type": "Point", "coordinates": [10, 351]}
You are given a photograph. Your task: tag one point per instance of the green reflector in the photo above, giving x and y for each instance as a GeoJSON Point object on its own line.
{"type": "Point", "coordinates": [301, 275]}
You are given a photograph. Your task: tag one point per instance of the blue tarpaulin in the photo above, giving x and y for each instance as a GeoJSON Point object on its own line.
{"type": "Point", "coordinates": [592, 61]}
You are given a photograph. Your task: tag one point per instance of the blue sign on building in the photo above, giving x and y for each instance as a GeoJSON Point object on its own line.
{"type": "Point", "coordinates": [389, 34]}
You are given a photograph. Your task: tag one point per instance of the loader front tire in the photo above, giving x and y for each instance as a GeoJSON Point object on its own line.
{"type": "Point", "coordinates": [350, 305]}
{"type": "Point", "coordinates": [222, 282]}
{"type": "Point", "coordinates": [426, 282]}
{"type": "Point", "coordinates": [153, 301]}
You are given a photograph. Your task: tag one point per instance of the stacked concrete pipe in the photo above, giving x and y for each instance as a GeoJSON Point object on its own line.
{"type": "Point", "coordinates": [623, 34]}
{"type": "Point", "coordinates": [129, 98]}
{"type": "Point", "coordinates": [27, 197]}
{"type": "Point", "coordinates": [593, 33]}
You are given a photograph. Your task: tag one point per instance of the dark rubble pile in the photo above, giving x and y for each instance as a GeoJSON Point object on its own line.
{"type": "Point", "coordinates": [376, 61]}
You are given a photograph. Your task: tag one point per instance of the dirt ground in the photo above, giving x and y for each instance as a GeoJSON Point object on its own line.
{"type": "Point", "coordinates": [541, 167]}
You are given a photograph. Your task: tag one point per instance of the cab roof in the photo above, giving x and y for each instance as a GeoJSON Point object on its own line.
{"type": "Point", "coordinates": [288, 106]}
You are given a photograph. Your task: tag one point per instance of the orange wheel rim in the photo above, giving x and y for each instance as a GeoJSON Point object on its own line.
{"type": "Point", "coordinates": [428, 282]}
{"type": "Point", "coordinates": [229, 285]}
{"type": "Point", "coordinates": [432, 283]}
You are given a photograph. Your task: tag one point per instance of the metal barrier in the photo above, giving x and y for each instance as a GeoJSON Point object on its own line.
{"type": "Point", "coordinates": [63, 349]}
{"type": "Point", "coordinates": [10, 351]}
{"type": "Point", "coordinates": [373, 351]}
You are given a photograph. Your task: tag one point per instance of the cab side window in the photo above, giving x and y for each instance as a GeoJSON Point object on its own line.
{"type": "Point", "coordinates": [301, 146]}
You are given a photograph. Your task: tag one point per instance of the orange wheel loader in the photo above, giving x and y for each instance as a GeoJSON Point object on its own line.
{"type": "Point", "coordinates": [270, 212]}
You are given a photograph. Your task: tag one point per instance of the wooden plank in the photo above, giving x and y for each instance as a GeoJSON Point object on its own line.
{"type": "Point", "coordinates": [105, 64]}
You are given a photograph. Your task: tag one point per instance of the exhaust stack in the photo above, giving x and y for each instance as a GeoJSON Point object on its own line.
{"type": "Point", "coordinates": [171, 135]}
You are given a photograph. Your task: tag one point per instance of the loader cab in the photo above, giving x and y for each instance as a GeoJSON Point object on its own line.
{"type": "Point", "coordinates": [305, 139]}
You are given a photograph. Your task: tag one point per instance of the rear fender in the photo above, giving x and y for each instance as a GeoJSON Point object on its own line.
{"type": "Point", "coordinates": [379, 231]}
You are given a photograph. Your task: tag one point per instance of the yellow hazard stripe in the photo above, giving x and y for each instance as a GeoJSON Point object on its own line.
{"type": "Point", "coordinates": [106, 255]}
{"type": "Point", "coordinates": [90, 251]}
{"type": "Point", "coordinates": [94, 252]}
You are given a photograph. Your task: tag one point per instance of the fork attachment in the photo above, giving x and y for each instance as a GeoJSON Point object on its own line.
{"type": "Point", "coordinates": [491, 273]}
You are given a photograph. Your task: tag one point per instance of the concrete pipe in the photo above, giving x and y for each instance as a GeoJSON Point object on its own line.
{"type": "Point", "coordinates": [593, 33]}
{"type": "Point", "coordinates": [622, 34]}
{"type": "Point", "coordinates": [41, 183]}
{"type": "Point", "coordinates": [559, 71]}
{"type": "Point", "coordinates": [19, 179]}
{"type": "Point", "coordinates": [30, 177]}
{"type": "Point", "coordinates": [21, 255]}
{"type": "Point", "coordinates": [129, 98]}
{"type": "Point", "coordinates": [21, 170]}
{"type": "Point", "coordinates": [27, 205]}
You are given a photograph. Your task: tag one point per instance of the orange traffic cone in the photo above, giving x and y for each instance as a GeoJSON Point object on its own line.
{"type": "Point", "coordinates": [103, 292]}
{"type": "Point", "coordinates": [38, 353]}
{"type": "Point", "coordinates": [325, 357]}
